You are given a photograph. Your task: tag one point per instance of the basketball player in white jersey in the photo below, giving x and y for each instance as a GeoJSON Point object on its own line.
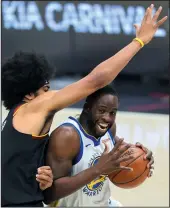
{"type": "Point", "coordinates": [77, 145]}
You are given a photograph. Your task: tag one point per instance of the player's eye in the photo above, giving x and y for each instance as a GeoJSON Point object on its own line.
{"type": "Point", "coordinates": [101, 111]}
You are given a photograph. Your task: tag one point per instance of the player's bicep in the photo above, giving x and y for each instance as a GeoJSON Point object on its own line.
{"type": "Point", "coordinates": [61, 168]}
{"type": "Point", "coordinates": [62, 149]}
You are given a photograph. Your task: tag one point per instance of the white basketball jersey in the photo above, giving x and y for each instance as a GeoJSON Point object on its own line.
{"type": "Point", "coordinates": [97, 192]}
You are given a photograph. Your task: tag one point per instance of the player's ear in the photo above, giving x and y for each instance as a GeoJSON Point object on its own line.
{"type": "Point", "coordinates": [30, 96]}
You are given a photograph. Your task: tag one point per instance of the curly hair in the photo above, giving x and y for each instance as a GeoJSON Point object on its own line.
{"type": "Point", "coordinates": [22, 74]}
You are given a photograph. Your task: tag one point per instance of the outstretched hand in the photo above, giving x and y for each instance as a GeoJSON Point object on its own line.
{"type": "Point", "coordinates": [111, 161]}
{"type": "Point", "coordinates": [149, 24]}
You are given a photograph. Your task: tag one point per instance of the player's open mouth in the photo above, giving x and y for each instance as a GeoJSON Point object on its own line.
{"type": "Point", "coordinates": [103, 127]}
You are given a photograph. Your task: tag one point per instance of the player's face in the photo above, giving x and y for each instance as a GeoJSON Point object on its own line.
{"type": "Point", "coordinates": [103, 114]}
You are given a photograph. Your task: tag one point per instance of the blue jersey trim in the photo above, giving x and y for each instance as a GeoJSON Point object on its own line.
{"type": "Point", "coordinates": [111, 136]}
{"type": "Point", "coordinates": [80, 154]}
{"type": "Point", "coordinates": [95, 141]}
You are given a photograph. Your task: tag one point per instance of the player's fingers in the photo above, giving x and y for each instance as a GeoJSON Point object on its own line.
{"type": "Point", "coordinates": [152, 167]}
{"type": "Point", "coordinates": [45, 172]}
{"type": "Point", "coordinates": [122, 149]}
{"type": "Point", "coordinates": [145, 16]}
{"type": "Point", "coordinates": [148, 154]}
{"type": "Point", "coordinates": [138, 144]}
{"type": "Point", "coordinates": [45, 167]}
{"type": "Point", "coordinates": [150, 173]}
{"type": "Point", "coordinates": [41, 181]}
{"type": "Point", "coordinates": [125, 168]}
{"type": "Point", "coordinates": [44, 186]}
{"type": "Point", "coordinates": [117, 145]}
{"type": "Point", "coordinates": [106, 148]}
{"type": "Point", "coordinates": [43, 177]}
{"type": "Point", "coordinates": [44, 182]}
{"type": "Point", "coordinates": [150, 164]}
{"type": "Point", "coordinates": [149, 14]}
{"type": "Point", "coordinates": [157, 13]}
{"type": "Point", "coordinates": [160, 22]}
{"type": "Point", "coordinates": [124, 159]}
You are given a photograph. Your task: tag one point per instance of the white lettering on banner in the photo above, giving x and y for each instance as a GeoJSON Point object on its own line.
{"type": "Point", "coordinates": [9, 17]}
{"type": "Point", "coordinates": [83, 17]}
{"type": "Point", "coordinates": [70, 17]}
{"type": "Point", "coordinates": [16, 15]}
{"type": "Point", "coordinates": [51, 8]}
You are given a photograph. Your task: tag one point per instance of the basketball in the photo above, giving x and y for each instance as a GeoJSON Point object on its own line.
{"type": "Point", "coordinates": [131, 179]}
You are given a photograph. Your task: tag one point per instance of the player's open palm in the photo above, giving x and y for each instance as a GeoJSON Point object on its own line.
{"type": "Point", "coordinates": [111, 161]}
{"type": "Point", "coordinates": [149, 25]}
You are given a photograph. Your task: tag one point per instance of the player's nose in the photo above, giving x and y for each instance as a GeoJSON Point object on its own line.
{"type": "Point", "coordinates": [107, 119]}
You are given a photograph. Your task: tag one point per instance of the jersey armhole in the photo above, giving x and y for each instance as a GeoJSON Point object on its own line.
{"type": "Point", "coordinates": [80, 153]}
{"type": "Point", "coordinates": [18, 108]}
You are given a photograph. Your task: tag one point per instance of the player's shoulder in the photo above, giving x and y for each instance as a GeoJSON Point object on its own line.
{"type": "Point", "coordinates": [64, 141]}
{"type": "Point", "coordinates": [64, 137]}
{"type": "Point", "coordinates": [65, 131]}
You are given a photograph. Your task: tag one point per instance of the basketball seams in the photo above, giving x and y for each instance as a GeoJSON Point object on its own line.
{"type": "Point", "coordinates": [128, 164]}
{"type": "Point", "coordinates": [133, 179]}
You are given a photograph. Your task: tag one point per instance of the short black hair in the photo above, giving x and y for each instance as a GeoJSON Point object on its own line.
{"type": "Point", "coordinates": [109, 89]}
{"type": "Point", "coordinates": [22, 74]}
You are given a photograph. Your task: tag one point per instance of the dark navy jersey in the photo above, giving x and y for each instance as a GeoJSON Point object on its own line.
{"type": "Point", "coordinates": [21, 155]}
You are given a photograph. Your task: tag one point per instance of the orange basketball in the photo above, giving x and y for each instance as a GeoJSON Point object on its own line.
{"type": "Point", "coordinates": [131, 179]}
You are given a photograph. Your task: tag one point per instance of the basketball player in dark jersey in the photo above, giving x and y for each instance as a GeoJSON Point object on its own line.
{"type": "Point", "coordinates": [25, 132]}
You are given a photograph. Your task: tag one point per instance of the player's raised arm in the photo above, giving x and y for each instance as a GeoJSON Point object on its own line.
{"type": "Point", "coordinates": [106, 71]}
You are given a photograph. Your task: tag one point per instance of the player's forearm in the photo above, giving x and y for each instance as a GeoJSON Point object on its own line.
{"type": "Point", "coordinates": [67, 185]}
{"type": "Point", "coordinates": [102, 75]}
{"type": "Point", "coordinates": [109, 69]}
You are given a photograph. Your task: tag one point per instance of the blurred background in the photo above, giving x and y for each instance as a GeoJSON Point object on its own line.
{"type": "Point", "coordinates": [76, 36]}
